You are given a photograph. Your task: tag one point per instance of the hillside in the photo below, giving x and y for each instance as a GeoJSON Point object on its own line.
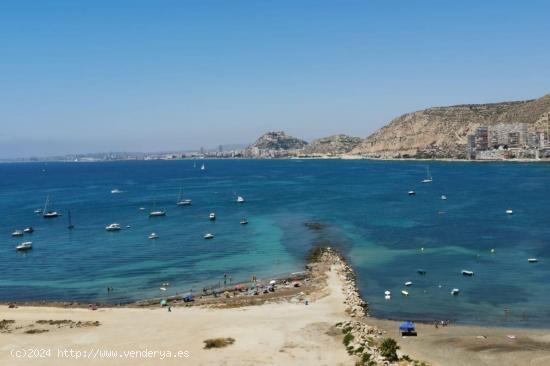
{"type": "Point", "coordinates": [442, 131]}
{"type": "Point", "coordinates": [332, 145]}
{"type": "Point", "coordinates": [278, 141]}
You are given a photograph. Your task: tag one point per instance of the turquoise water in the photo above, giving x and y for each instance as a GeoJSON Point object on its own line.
{"type": "Point", "coordinates": [363, 204]}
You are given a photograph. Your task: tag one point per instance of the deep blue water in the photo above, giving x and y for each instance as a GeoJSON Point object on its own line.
{"type": "Point", "coordinates": [364, 205]}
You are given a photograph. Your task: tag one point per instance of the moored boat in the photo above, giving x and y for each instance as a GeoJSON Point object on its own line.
{"type": "Point", "coordinates": [153, 236]}
{"type": "Point", "coordinates": [532, 260]}
{"type": "Point", "coordinates": [113, 227]}
{"type": "Point", "coordinates": [467, 273]}
{"type": "Point", "coordinates": [28, 230]}
{"type": "Point", "coordinates": [212, 216]}
{"type": "Point", "coordinates": [208, 236]}
{"type": "Point", "coordinates": [455, 291]}
{"type": "Point", "coordinates": [24, 246]}
{"type": "Point", "coordinates": [17, 233]}
{"type": "Point", "coordinates": [157, 213]}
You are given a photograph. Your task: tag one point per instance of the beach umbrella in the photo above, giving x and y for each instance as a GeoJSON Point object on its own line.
{"type": "Point", "coordinates": [272, 282]}
{"type": "Point", "coordinates": [163, 302]}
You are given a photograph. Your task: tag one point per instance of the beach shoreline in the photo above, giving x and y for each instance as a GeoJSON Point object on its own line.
{"type": "Point", "coordinates": [305, 325]}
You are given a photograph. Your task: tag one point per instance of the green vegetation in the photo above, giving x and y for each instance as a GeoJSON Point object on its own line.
{"type": "Point", "coordinates": [388, 349]}
{"type": "Point", "coordinates": [347, 339]}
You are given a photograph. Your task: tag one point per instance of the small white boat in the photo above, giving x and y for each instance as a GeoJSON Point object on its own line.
{"type": "Point", "coordinates": [17, 233]}
{"type": "Point", "coordinates": [116, 191]}
{"type": "Point", "coordinates": [387, 292]}
{"type": "Point", "coordinates": [28, 230]}
{"type": "Point", "coordinates": [185, 202]}
{"type": "Point", "coordinates": [163, 288]}
{"type": "Point", "coordinates": [387, 297]}
{"type": "Point", "coordinates": [428, 176]}
{"type": "Point", "coordinates": [203, 167]}
{"type": "Point", "coordinates": [166, 284]}
{"type": "Point", "coordinates": [405, 293]}
{"type": "Point", "coordinates": [455, 291]}
{"type": "Point", "coordinates": [443, 197]}
{"type": "Point", "coordinates": [153, 236]}
{"type": "Point", "coordinates": [142, 208]}
{"type": "Point", "coordinates": [113, 227]}
{"type": "Point", "coordinates": [240, 199]}
{"type": "Point", "coordinates": [157, 213]}
{"type": "Point", "coordinates": [38, 211]}
{"type": "Point", "coordinates": [467, 273]}
{"type": "Point", "coordinates": [208, 236]}
{"type": "Point", "coordinates": [412, 193]}
{"type": "Point", "coordinates": [408, 283]}
{"type": "Point", "coordinates": [532, 260]}
{"type": "Point", "coordinates": [128, 226]}
{"type": "Point", "coordinates": [493, 250]}
{"type": "Point", "coordinates": [509, 212]}
{"type": "Point", "coordinates": [24, 246]}
{"type": "Point", "coordinates": [212, 216]}
{"type": "Point", "coordinates": [244, 222]}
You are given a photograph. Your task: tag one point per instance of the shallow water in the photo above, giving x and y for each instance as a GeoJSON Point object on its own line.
{"type": "Point", "coordinates": [363, 204]}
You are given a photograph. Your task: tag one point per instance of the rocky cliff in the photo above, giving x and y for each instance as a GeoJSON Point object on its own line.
{"type": "Point", "coordinates": [278, 141]}
{"type": "Point", "coordinates": [332, 145]}
{"type": "Point", "coordinates": [442, 132]}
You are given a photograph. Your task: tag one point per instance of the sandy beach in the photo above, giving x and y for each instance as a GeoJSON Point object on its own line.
{"type": "Point", "coordinates": [278, 333]}
{"type": "Point", "coordinates": [279, 330]}
{"type": "Point", "coordinates": [458, 345]}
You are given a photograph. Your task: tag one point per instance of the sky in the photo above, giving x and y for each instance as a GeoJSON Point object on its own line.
{"type": "Point", "coordinates": [159, 75]}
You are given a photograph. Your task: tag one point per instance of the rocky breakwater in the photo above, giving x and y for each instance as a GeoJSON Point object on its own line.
{"type": "Point", "coordinates": [364, 341]}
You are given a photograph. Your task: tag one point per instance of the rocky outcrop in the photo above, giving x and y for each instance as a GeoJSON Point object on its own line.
{"type": "Point", "coordinates": [442, 132]}
{"type": "Point", "coordinates": [332, 145]}
{"type": "Point", "coordinates": [278, 141]}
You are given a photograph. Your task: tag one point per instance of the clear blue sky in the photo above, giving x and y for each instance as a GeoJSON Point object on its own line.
{"type": "Point", "coordinates": [88, 76]}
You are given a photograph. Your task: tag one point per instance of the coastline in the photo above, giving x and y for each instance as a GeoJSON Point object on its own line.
{"type": "Point", "coordinates": [292, 326]}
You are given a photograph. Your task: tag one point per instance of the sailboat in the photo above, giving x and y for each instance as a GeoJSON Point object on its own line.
{"type": "Point", "coordinates": [194, 164]}
{"type": "Point", "coordinates": [156, 213]}
{"type": "Point", "coordinates": [183, 202]}
{"type": "Point", "coordinates": [70, 226]}
{"type": "Point", "coordinates": [48, 214]}
{"type": "Point", "coordinates": [203, 167]}
{"type": "Point", "coordinates": [428, 176]}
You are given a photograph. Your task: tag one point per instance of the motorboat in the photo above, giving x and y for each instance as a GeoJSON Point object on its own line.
{"type": "Point", "coordinates": [387, 297]}
{"type": "Point", "coordinates": [153, 236]}
{"type": "Point", "coordinates": [467, 273]}
{"type": "Point", "coordinates": [408, 283]}
{"type": "Point", "coordinates": [405, 293]}
{"type": "Point", "coordinates": [24, 246]}
{"type": "Point", "coordinates": [162, 288]}
{"type": "Point", "coordinates": [116, 191]}
{"type": "Point", "coordinates": [142, 208]}
{"type": "Point", "coordinates": [208, 236]}
{"type": "Point", "coordinates": [387, 292]}
{"type": "Point", "coordinates": [212, 216]}
{"type": "Point", "coordinates": [17, 233]}
{"type": "Point", "coordinates": [532, 260]}
{"type": "Point", "coordinates": [455, 291]}
{"type": "Point", "coordinates": [443, 197]}
{"type": "Point", "coordinates": [240, 199]}
{"type": "Point", "coordinates": [157, 213]}
{"type": "Point", "coordinates": [509, 212]}
{"type": "Point", "coordinates": [244, 221]}
{"type": "Point", "coordinates": [28, 230]}
{"type": "Point", "coordinates": [412, 193]}
{"type": "Point", "coordinates": [113, 227]}
{"type": "Point", "coordinates": [38, 211]}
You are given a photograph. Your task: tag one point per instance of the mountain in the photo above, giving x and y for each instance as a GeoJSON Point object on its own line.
{"type": "Point", "coordinates": [442, 132]}
{"type": "Point", "coordinates": [278, 141]}
{"type": "Point", "coordinates": [332, 145]}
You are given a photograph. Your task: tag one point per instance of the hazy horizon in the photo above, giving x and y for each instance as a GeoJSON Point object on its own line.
{"type": "Point", "coordinates": [82, 77]}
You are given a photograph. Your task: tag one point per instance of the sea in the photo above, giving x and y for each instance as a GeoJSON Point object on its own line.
{"type": "Point", "coordinates": [361, 207]}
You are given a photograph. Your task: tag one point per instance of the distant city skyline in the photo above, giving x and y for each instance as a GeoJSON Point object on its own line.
{"type": "Point", "coordinates": [99, 76]}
